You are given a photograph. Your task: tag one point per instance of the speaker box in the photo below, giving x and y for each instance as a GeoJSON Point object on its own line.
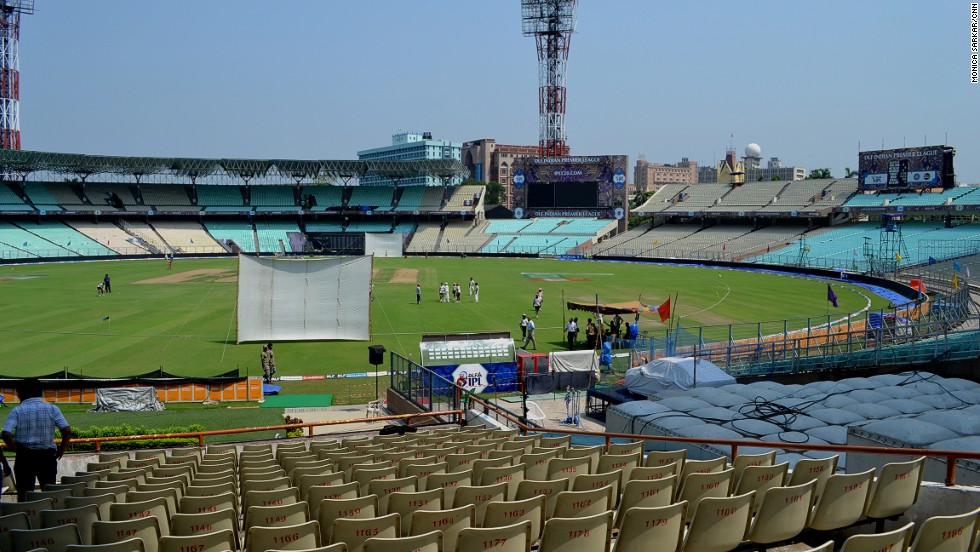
{"type": "Point", "coordinates": [376, 354]}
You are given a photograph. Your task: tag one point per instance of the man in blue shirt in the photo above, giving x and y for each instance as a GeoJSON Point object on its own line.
{"type": "Point", "coordinates": [29, 432]}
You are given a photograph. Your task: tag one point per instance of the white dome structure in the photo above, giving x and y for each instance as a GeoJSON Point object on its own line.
{"type": "Point", "coordinates": [753, 150]}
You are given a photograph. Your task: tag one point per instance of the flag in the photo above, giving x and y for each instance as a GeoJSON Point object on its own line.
{"type": "Point", "coordinates": [104, 318]}
{"type": "Point", "coordinates": [898, 257]}
{"type": "Point", "coordinates": [69, 242]}
{"type": "Point", "coordinates": [831, 296]}
{"type": "Point", "coordinates": [956, 266]}
{"type": "Point", "coordinates": [664, 310]}
{"type": "Point", "coordinates": [956, 282]}
{"type": "Point", "coordinates": [932, 261]}
{"type": "Point", "coordinates": [25, 244]}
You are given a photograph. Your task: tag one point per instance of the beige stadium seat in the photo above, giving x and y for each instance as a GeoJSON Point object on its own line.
{"type": "Point", "coordinates": [504, 513]}
{"type": "Point", "coordinates": [506, 538]}
{"type": "Point", "coordinates": [825, 547]}
{"type": "Point", "coordinates": [277, 516]}
{"type": "Point", "coordinates": [57, 497]}
{"type": "Point", "coordinates": [217, 541]}
{"type": "Point", "coordinates": [624, 463]}
{"type": "Point", "coordinates": [422, 470]}
{"type": "Point", "coordinates": [74, 488]}
{"type": "Point", "coordinates": [555, 442]}
{"type": "Point", "coordinates": [479, 496]}
{"type": "Point", "coordinates": [9, 522]}
{"type": "Point", "coordinates": [426, 542]}
{"type": "Point", "coordinates": [330, 509]}
{"type": "Point", "coordinates": [270, 498]}
{"type": "Point", "coordinates": [654, 529]}
{"type": "Point", "coordinates": [449, 482]}
{"type": "Point", "coordinates": [316, 467]}
{"type": "Point", "coordinates": [537, 463]}
{"type": "Point", "coordinates": [290, 537]}
{"type": "Point", "coordinates": [116, 479]}
{"type": "Point", "coordinates": [896, 489]}
{"type": "Point", "coordinates": [587, 534]}
{"type": "Point", "coordinates": [52, 539]}
{"type": "Point", "coordinates": [317, 495]}
{"type": "Point", "coordinates": [364, 476]}
{"type": "Point", "coordinates": [814, 469]}
{"type": "Point", "coordinates": [760, 479]}
{"type": "Point", "coordinates": [646, 493]}
{"type": "Point", "coordinates": [511, 475]}
{"type": "Point", "coordinates": [213, 503]}
{"type": "Point", "coordinates": [102, 502]}
{"type": "Point", "coordinates": [185, 525]}
{"type": "Point", "coordinates": [81, 516]}
{"type": "Point", "coordinates": [844, 498]}
{"type": "Point", "coordinates": [591, 452]}
{"type": "Point", "coordinates": [576, 504]}
{"type": "Point", "coordinates": [155, 507]}
{"type": "Point", "coordinates": [656, 472]}
{"type": "Point", "coordinates": [144, 462]}
{"type": "Point", "coordinates": [514, 455]}
{"type": "Point", "coordinates": [113, 466]}
{"type": "Point", "coordinates": [699, 486]}
{"type": "Point", "coordinates": [405, 504]}
{"type": "Point", "coordinates": [947, 533]}
{"type": "Point", "coordinates": [317, 446]}
{"type": "Point", "coordinates": [719, 524]}
{"type": "Point", "coordinates": [631, 448]}
{"type": "Point", "coordinates": [450, 522]}
{"type": "Point", "coordinates": [118, 491]}
{"type": "Point", "coordinates": [743, 461]}
{"type": "Point", "coordinates": [274, 484]}
{"type": "Point", "coordinates": [169, 496]}
{"type": "Point", "coordinates": [659, 458]}
{"type": "Point", "coordinates": [568, 468]}
{"type": "Point", "coordinates": [483, 463]}
{"type": "Point", "coordinates": [354, 531]}
{"type": "Point", "coordinates": [212, 489]}
{"type": "Point", "coordinates": [147, 529]}
{"type": "Point", "coordinates": [127, 545]}
{"type": "Point", "coordinates": [461, 461]}
{"type": "Point", "coordinates": [256, 447]}
{"type": "Point", "coordinates": [337, 547]}
{"type": "Point", "coordinates": [598, 480]}
{"type": "Point", "coordinates": [81, 477]}
{"type": "Point", "coordinates": [31, 508]}
{"type": "Point", "coordinates": [184, 471]}
{"type": "Point", "coordinates": [782, 514]}
{"type": "Point", "coordinates": [713, 465]}
{"type": "Point", "coordinates": [384, 487]}
{"type": "Point", "coordinates": [897, 540]}
{"type": "Point", "coordinates": [549, 489]}
{"type": "Point", "coordinates": [307, 481]}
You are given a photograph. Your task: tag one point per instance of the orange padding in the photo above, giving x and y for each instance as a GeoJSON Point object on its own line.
{"type": "Point", "coordinates": [244, 390]}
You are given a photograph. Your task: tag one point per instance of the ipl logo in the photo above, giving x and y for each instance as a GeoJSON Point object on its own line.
{"type": "Point", "coordinates": [519, 179]}
{"type": "Point", "coordinates": [472, 377]}
{"type": "Point", "coordinates": [619, 178]}
{"type": "Point", "coordinates": [518, 213]}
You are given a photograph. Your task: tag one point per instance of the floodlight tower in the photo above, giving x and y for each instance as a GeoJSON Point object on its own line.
{"type": "Point", "coordinates": [10, 12]}
{"type": "Point", "coordinates": [551, 24]}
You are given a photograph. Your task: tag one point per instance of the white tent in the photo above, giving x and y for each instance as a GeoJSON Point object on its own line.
{"type": "Point", "coordinates": [574, 361]}
{"type": "Point", "coordinates": [673, 374]}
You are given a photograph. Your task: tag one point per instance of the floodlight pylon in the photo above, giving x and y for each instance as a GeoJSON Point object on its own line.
{"type": "Point", "coordinates": [10, 12]}
{"type": "Point", "coordinates": [551, 23]}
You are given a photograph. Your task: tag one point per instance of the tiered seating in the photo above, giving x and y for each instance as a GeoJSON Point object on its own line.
{"type": "Point", "coordinates": [383, 225]}
{"type": "Point", "coordinates": [506, 226]}
{"type": "Point", "coordinates": [324, 226]}
{"type": "Point", "coordinates": [41, 198]}
{"type": "Point", "coordinates": [698, 197]}
{"type": "Point", "coordinates": [715, 239]}
{"type": "Point", "coordinates": [111, 236]}
{"type": "Point", "coordinates": [462, 194]}
{"type": "Point", "coordinates": [411, 198]}
{"type": "Point", "coordinates": [273, 198]}
{"type": "Point", "coordinates": [99, 195]}
{"type": "Point", "coordinates": [584, 226]}
{"type": "Point", "coordinates": [240, 232]}
{"type": "Point", "coordinates": [462, 236]}
{"type": "Point", "coordinates": [19, 243]}
{"type": "Point", "coordinates": [463, 486]}
{"type": "Point", "coordinates": [836, 193]}
{"type": "Point", "coordinates": [274, 235]}
{"type": "Point", "coordinates": [663, 198]}
{"type": "Point", "coordinates": [377, 198]}
{"type": "Point", "coordinates": [432, 198]}
{"type": "Point", "coordinates": [425, 238]}
{"type": "Point", "coordinates": [220, 198]}
{"type": "Point", "coordinates": [60, 193]}
{"type": "Point", "coordinates": [187, 237]}
{"type": "Point", "coordinates": [796, 196]}
{"type": "Point", "coordinates": [68, 238]}
{"type": "Point", "coordinates": [751, 196]}
{"type": "Point", "coordinates": [9, 201]}
{"type": "Point", "coordinates": [164, 197]}
{"type": "Point", "coordinates": [404, 227]}
{"type": "Point", "coordinates": [145, 235]}
{"type": "Point", "coordinates": [327, 197]}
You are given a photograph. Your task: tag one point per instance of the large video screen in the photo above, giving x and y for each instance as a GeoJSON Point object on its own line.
{"type": "Point", "coordinates": [906, 168]}
{"type": "Point", "coordinates": [579, 195]}
{"type": "Point", "coordinates": [541, 195]}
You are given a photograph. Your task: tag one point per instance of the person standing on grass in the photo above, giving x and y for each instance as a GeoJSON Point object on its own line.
{"type": "Point", "coordinates": [29, 432]}
{"type": "Point", "coordinates": [418, 294]}
{"type": "Point", "coordinates": [472, 283]}
{"type": "Point", "coordinates": [538, 299]}
{"type": "Point", "coordinates": [530, 335]}
{"type": "Point", "coordinates": [106, 284]}
{"type": "Point", "coordinates": [476, 292]}
{"type": "Point", "coordinates": [570, 334]}
{"type": "Point", "coordinates": [523, 326]}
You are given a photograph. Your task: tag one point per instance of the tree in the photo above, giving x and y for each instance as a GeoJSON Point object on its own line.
{"type": "Point", "coordinates": [848, 173]}
{"type": "Point", "coordinates": [776, 178]}
{"type": "Point", "coordinates": [820, 173]}
{"type": "Point", "coordinates": [494, 190]}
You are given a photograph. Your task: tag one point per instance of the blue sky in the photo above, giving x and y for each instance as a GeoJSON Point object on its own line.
{"type": "Point", "coordinates": [311, 79]}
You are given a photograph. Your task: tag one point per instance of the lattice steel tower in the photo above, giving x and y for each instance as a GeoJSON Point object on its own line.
{"type": "Point", "coordinates": [10, 12]}
{"type": "Point", "coordinates": [551, 24]}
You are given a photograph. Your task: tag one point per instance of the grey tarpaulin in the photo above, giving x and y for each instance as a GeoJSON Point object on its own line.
{"type": "Point", "coordinates": [127, 399]}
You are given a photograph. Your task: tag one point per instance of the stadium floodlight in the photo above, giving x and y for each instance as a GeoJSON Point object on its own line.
{"type": "Point", "coordinates": [10, 12]}
{"type": "Point", "coordinates": [551, 23]}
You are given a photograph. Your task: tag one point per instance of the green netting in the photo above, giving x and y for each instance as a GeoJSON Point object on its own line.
{"type": "Point", "coordinates": [297, 401]}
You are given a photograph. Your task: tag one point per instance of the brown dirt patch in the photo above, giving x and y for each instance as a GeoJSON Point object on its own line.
{"type": "Point", "coordinates": [206, 274]}
{"type": "Point", "coordinates": [405, 276]}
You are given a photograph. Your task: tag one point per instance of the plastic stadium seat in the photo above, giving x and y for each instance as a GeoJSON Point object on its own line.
{"type": "Point", "coordinates": [588, 534]}
{"type": "Point", "coordinates": [843, 501]}
{"type": "Point", "coordinates": [655, 472]}
{"type": "Point", "coordinates": [512, 475]}
{"type": "Point", "coordinates": [450, 522]}
{"type": "Point", "coordinates": [57, 496]}
{"type": "Point", "coordinates": [155, 507]}
{"type": "Point", "coordinates": [9, 522]}
{"type": "Point", "coordinates": [592, 453]}
{"type": "Point", "coordinates": [426, 542]}
{"type": "Point", "coordinates": [897, 540]}
{"type": "Point", "coordinates": [147, 529]}
{"type": "Point", "coordinates": [743, 461]}
{"type": "Point", "coordinates": [217, 541]}
{"type": "Point", "coordinates": [184, 525]}
{"type": "Point", "coordinates": [895, 490]}
{"type": "Point", "coordinates": [646, 493]}
{"type": "Point", "coordinates": [354, 531]}
{"type": "Point", "coordinates": [504, 513]}
{"type": "Point", "coordinates": [555, 442]}
{"type": "Point", "coordinates": [169, 496]}
{"type": "Point", "coordinates": [761, 478]}
{"type": "Point", "coordinates": [384, 487]}
{"type": "Point", "coordinates": [81, 516]}
{"type": "Point", "coordinates": [946, 533]}
{"type": "Point", "coordinates": [270, 498]}
{"type": "Point", "coordinates": [814, 469]}
{"type": "Point", "coordinates": [31, 508]}
{"type": "Point", "coordinates": [652, 529]}
{"type": "Point", "coordinates": [307, 481]}
{"type": "Point", "coordinates": [102, 502]}
{"type": "Point", "coordinates": [575, 504]}
{"type": "Point", "coordinates": [330, 509]}
{"type": "Point", "coordinates": [290, 537]}
{"type": "Point", "coordinates": [449, 482]}
{"type": "Point", "coordinates": [506, 538]}
{"type": "Point", "coordinates": [714, 465]}
{"type": "Point", "coordinates": [699, 486]}
{"type": "Point", "coordinates": [624, 463]}
{"type": "Point", "coordinates": [200, 504]}
{"type": "Point", "coordinates": [479, 496]}
{"type": "Point", "coordinates": [317, 495]}
{"type": "Point", "coordinates": [719, 524]}
{"type": "Point", "coordinates": [537, 463]}
{"type": "Point", "coordinates": [549, 489]}
{"type": "Point", "coordinates": [598, 480]}
{"type": "Point", "coordinates": [782, 514]}
{"type": "Point", "coordinates": [127, 545]}
{"type": "Point", "coordinates": [568, 468]}
{"type": "Point", "coordinates": [337, 547]}
{"type": "Point", "coordinates": [629, 449]}
{"type": "Point", "coordinates": [52, 539]}
{"type": "Point", "coordinates": [276, 516]}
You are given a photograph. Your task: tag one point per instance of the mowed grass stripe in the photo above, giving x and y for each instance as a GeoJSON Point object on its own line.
{"type": "Point", "coordinates": [182, 326]}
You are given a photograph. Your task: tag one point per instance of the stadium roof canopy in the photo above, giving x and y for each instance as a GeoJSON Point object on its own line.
{"type": "Point", "coordinates": [26, 162]}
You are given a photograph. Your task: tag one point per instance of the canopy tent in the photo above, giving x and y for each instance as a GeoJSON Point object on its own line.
{"type": "Point", "coordinates": [629, 307]}
{"type": "Point", "coordinates": [675, 373]}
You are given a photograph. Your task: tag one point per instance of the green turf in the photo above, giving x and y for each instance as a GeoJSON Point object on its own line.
{"type": "Point", "coordinates": [297, 401]}
{"type": "Point", "coordinates": [53, 320]}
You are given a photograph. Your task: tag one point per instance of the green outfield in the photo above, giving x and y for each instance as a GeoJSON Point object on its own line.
{"type": "Point", "coordinates": [183, 321]}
